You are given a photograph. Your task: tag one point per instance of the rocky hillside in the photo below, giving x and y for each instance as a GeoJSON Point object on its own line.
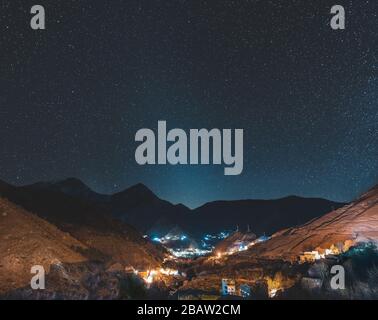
{"type": "Point", "coordinates": [27, 240]}
{"type": "Point", "coordinates": [335, 231]}
{"type": "Point", "coordinates": [235, 240]}
{"type": "Point", "coordinates": [80, 245]}
{"type": "Point", "coordinates": [110, 240]}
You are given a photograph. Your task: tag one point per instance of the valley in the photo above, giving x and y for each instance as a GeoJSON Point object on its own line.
{"type": "Point", "coordinates": [91, 250]}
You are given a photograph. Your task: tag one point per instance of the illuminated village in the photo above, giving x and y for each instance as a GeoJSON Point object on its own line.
{"type": "Point", "coordinates": [211, 251]}
{"type": "Point", "coordinates": [320, 253]}
{"type": "Point", "coordinates": [108, 262]}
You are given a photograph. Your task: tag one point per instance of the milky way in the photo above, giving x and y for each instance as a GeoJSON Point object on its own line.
{"type": "Point", "coordinates": [72, 96]}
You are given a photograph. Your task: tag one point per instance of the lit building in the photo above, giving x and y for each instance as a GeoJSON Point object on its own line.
{"type": "Point", "coordinates": [245, 291]}
{"type": "Point", "coordinates": [310, 256]}
{"type": "Point", "coordinates": [228, 287]}
{"type": "Point", "coordinates": [319, 253]}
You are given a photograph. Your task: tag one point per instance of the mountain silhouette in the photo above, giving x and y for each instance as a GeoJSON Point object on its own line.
{"type": "Point", "coordinates": [263, 216]}
{"type": "Point", "coordinates": [71, 201]}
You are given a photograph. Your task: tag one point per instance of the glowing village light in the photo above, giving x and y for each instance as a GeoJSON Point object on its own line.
{"type": "Point", "coordinates": [169, 272]}
{"type": "Point", "coordinates": [190, 252]}
{"type": "Point", "coordinates": [150, 276]}
{"type": "Point", "coordinates": [149, 279]}
{"type": "Point", "coordinates": [273, 293]}
{"type": "Point", "coordinates": [243, 247]}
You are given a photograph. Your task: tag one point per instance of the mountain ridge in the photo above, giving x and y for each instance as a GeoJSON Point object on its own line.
{"type": "Point", "coordinates": [140, 207]}
{"type": "Point", "coordinates": [142, 187]}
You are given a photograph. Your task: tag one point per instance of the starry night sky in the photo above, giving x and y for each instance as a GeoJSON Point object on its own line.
{"type": "Point", "coordinates": [73, 96]}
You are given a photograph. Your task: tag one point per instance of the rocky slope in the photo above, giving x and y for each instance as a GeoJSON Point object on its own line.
{"type": "Point", "coordinates": [81, 246]}
{"type": "Point", "coordinates": [337, 230]}
{"type": "Point", "coordinates": [85, 254]}
{"type": "Point", "coordinates": [235, 240]}
{"type": "Point", "coordinates": [27, 240]}
{"type": "Point", "coordinates": [69, 205]}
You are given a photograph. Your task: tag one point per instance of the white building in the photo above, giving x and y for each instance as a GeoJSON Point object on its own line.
{"type": "Point", "coordinates": [228, 287]}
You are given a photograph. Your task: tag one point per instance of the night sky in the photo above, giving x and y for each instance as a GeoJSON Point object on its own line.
{"type": "Point", "coordinates": [73, 96]}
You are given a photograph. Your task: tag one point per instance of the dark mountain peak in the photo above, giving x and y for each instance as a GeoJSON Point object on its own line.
{"type": "Point", "coordinates": [182, 207]}
{"type": "Point", "coordinates": [71, 182]}
{"type": "Point", "coordinates": [137, 190]}
{"type": "Point", "coordinates": [139, 187]}
{"type": "Point", "coordinates": [134, 197]}
{"type": "Point", "coordinates": [72, 187]}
